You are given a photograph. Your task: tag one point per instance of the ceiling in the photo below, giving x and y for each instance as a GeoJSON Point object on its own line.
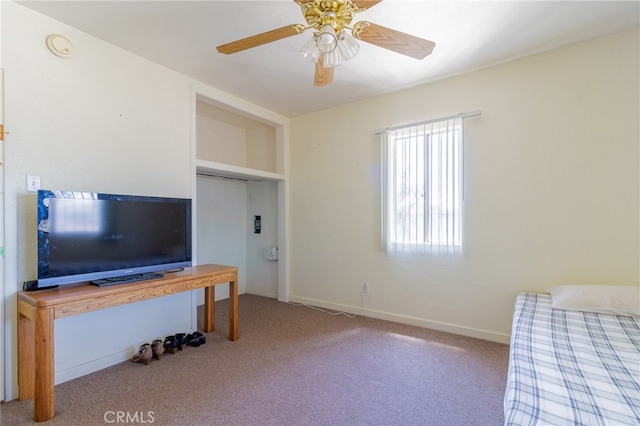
{"type": "Point", "coordinates": [469, 35]}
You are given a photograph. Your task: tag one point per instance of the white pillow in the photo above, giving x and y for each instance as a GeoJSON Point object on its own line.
{"type": "Point", "coordinates": [604, 299]}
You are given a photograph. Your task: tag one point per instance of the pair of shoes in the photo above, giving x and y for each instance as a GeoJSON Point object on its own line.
{"type": "Point", "coordinates": [195, 339]}
{"type": "Point", "coordinates": [174, 343]}
{"type": "Point", "coordinates": [148, 351]}
{"type": "Point", "coordinates": [144, 354]}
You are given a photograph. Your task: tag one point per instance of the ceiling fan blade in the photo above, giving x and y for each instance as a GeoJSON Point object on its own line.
{"type": "Point", "coordinates": [323, 75]}
{"type": "Point", "coordinates": [365, 4]}
{"type": "Point", "coordinates": [260, 39]}
{"type": "Point", "coordinates": [396, 41]}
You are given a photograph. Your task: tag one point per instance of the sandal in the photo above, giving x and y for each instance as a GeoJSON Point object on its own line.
{"type": "Point", "coordinates": [196, 339]}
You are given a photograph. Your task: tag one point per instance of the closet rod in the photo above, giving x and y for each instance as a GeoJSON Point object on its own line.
{"type": "Point", "coordinates": [226, 177]}
{"type": "Point", "coordinates": [449, 117]}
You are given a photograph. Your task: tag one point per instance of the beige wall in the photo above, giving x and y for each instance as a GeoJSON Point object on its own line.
{"type": "Point", "coordinates": [551, 191]}
{"type": "Point", "coordinates": [103, 120]}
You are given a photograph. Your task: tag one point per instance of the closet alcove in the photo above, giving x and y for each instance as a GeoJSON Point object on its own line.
{"type": "Point", "coordinates": [240, 174]}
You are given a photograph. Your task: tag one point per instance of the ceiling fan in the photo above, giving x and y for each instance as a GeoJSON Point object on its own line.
{"type": "Point", "coordinates": [331, 44]}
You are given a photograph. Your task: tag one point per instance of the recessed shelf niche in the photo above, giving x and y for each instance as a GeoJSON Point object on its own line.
{"type": "Point", "coordinates": [231, 145]}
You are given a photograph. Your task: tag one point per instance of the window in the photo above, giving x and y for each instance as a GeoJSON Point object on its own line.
{"type": "Point", "coordinates": [422, 189]}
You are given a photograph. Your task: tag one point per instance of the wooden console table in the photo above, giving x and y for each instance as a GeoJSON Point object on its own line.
{"type": "Point", "coordinates": [38, 310]}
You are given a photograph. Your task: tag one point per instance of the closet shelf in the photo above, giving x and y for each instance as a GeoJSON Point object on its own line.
{"type": "Point", "coordinates": [212, 168]}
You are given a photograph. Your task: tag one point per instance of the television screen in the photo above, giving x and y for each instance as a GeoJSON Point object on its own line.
{"type": "Point", "coordinates": [108, 238]}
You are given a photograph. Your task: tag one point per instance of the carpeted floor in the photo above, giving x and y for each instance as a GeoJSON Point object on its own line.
{"type": "Point", "coordinates": [295, 366]}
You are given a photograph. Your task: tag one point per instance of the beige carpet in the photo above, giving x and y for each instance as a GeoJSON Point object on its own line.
{"type": "Point", "coordinates": [295, 366]}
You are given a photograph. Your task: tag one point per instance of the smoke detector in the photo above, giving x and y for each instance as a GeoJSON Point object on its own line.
{"type": "Point", "coordinates": [59, 45]}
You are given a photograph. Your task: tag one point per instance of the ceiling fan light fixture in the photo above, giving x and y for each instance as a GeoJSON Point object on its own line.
{"type": "Point", "coordinates": [332, 59]}
{"type": "Point", "coordinates": [327, 41]}
{"type": "Point", "coordinates": [347, 46]}
{"type": "Point", "coordinates": [310, 51]}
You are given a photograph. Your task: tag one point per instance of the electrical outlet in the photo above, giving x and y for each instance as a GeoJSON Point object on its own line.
{"type": "Point", "coordinates": [33, 183]}
{"type": "Point", "coordinates": [365, 288]}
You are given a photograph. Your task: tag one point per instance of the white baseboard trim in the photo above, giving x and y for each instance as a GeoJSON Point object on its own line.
{"type": "Point", "coordinates": [91, 366]}
{"type": "Point", "coordinates": [94, 365]}
{"type": "Point", "coordinates": [405, 319]}
{"type": "Point", "coordinates": [262, 294]}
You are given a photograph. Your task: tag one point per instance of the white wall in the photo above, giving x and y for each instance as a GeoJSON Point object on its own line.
{"type": "Point", "coordinates": [226, 148]}
{"type": "Point", "coordinates": [103, 120]}
{"type": "Point", "coordinates": [551, 191]}
{"type": "Point", "coordinates": [262, 274]}
{"type": "Point", "coordinates": [222, 227]}
{"type": "Point", "coordinates": [227, 137]}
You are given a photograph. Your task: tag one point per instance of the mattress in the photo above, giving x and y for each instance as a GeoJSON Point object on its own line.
{"type": "Point", "coordinates": [571, 368]}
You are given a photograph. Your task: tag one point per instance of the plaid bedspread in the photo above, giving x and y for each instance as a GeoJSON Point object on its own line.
{"type": "Point", "coordinates": [571, 368]}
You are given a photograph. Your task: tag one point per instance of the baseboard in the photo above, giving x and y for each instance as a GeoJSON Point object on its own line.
{"type": "Point", "coordinates": [91, 366]}
{"type": "Point", "coordinates": [405, 319]}
{"type": "Point", "coordinates": [262, 294]}
{"type": "Point", "coordinates": [94, 365]}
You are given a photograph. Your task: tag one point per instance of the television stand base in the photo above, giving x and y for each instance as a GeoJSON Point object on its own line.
{"type": "Point", "coordinates": [126, 279]}
{"type": "Point", "coordinates": [38, 311]}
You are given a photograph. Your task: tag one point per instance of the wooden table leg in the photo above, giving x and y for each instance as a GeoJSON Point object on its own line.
{"type": "Point", "coordinates": [233, 308]}
{"type": "Point", "coordinates": [44, 399]}
{"type": "Point", "coordinates": [26, 351]}
{"type": "Point", "coordinates": [209, 308]}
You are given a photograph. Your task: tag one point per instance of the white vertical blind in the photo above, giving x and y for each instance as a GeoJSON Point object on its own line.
{"type": "Point", "coordinates": [422, 190]}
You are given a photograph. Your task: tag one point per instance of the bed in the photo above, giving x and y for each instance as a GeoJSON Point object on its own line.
{"type": "Point", "coordinates": [571, 367]}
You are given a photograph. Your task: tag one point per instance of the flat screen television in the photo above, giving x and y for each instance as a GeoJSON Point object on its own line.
{"type": "Point", "coordinates": [110, 239]}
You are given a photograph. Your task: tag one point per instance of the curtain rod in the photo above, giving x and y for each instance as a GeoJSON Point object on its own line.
{"type": "Point", "coordinates": [461, 115]}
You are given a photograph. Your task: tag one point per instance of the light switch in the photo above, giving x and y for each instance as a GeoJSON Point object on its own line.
{"type": "Point", "coordinates": [33, 183]}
